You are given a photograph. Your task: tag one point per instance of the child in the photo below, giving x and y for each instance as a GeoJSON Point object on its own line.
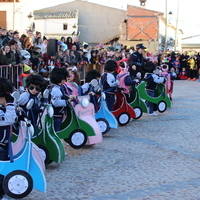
{"type": "Point", "coordinates": [109, 83]}
{"type": "Point", "coordinates": [183, 74]}
{"type": "Point", "coordinates": [7, 118]}
{"type": "Point", "coordinates": [73, 81]}
{"type": "Point", "coordinates": [192, 74]}
{"type": "Point", "coordinates": [86, 88]}
{"type": "Point", "coordinates": [34, 85]}
{"type": "Point", "coordinates": [177, 64]}
{"type": "Point", "coordinates": [124, 78]}
{"type": "Point", "coordinates": [165, 73]}
{"type": "Point", "coordinates": [23, 77]}
{"type": "Point", "coordinates": [152, 81]}
{"type": "Point", "coordinates": [58, 96]}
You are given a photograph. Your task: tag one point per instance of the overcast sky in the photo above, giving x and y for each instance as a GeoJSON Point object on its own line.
{"type": "Point", "coordinates": [188, 10]}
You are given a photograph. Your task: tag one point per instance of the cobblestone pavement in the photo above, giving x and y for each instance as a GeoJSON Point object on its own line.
{"type": "Point", "coordinates": [153, 158]}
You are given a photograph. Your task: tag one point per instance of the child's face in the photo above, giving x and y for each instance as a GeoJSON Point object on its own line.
{"type": "Point", "coordinates": [71, 77]}
{"type": "Point", "coordinates": [34, 89]}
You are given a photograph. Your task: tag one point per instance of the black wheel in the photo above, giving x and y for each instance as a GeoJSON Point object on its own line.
{"type": "Point", "coordinates": [138, 112]}
{"type": "Point", "coordinates": [77, 139]}
{"type": "Point", "coordinates": [45, 154]}
{"type": "Point", "coordinates": [17, 184]}
{"type": "Point", "coordinates": [162, 106]}
{"type": "Point", "coordinates": [123, 119]}
{"type": "Point", "coordinates": [103, 125]}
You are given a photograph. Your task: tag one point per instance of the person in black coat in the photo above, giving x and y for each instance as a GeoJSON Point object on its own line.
{"type": "Point", "coordinates": [136, 61]}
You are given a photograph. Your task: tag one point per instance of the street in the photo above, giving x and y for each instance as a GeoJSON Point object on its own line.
{"type": "Point", "coordinates": [154, 158]}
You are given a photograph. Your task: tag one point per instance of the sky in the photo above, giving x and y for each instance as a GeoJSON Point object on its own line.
{"type": "Point", "coordinates": [187, 14]}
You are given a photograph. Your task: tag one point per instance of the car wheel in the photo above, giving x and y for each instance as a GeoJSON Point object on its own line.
{"type": "Point", "coordinates": [123, 118]}
{"type": "Point", "coordinates": [45, 154]}
{"type": "Point", "coordinates": [77, 139]}
{"type": "Point", "coordinates": [17, 184]}
{"type": "Point", "coordinates": [103, 125]}
{"type": "Point", "coordinates": [162, 106]}
{"type": "Point", "coordinates": [138, 112]}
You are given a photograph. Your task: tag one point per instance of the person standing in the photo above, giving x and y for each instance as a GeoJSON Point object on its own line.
{"type": "Point", "coordinates": [8, 37]}
{"type": "Point", "coordinates": [136, 61]}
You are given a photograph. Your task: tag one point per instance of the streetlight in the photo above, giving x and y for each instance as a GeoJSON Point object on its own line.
{"type": "Point", "coordinates": [142, 2]}
{"type": "Point", "coordinates": [166, 24]}
{"type": "Point", "coordinates": [14, 15]}
{"type": "Point", "coordinates": [176, 42]}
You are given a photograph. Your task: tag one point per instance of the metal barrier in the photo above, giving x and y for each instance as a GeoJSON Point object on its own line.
{"type": "Point", "coordinates": [12, 73]}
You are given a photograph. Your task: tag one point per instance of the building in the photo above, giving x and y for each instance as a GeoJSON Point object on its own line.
{"type": "Point", "coordinates": [15, 15]}
{"type": "Point", "coordinates": [56, 23]}
{"type": "Point", "coordinates": [148, 27]}
{"type": "Point", "coordinates": [95, 23]}
{"type": "Point", "coordinates": [191, 44]}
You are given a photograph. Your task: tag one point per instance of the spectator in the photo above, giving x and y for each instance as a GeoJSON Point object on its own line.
{"type": "Point", "coordinates": [16, 37]}
{"type": "Point", "coordinates": [28, 43]}
{"type": "Point", "coordinates": [22, 39]}
{"type": "Point", "coordinates": [39, 44]}
{"type": "Point", "coordinates": [44, 43]}
{"type": "Point", "coordinates": [76, 43]}
{"type": "Point", "coordinates": [8, 37]}
{"type": "Point", "coordinates": [1, 40]}
{"type": "Point", "coordinates": [13, 47]}
{"type": "Point", "coordinates": [6, 56]}
{"type": "Point", "coordinates": [69, 42]}
{"type": "Point", "coordinates": [76, 53]}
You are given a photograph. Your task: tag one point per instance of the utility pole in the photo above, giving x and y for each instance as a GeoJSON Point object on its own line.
{"type": "Point", "coordinates": [166, 22]}
{"type": "Point", "coordinates": [14, 14]}
{"type": "Point", "coordinates": [176, 32]}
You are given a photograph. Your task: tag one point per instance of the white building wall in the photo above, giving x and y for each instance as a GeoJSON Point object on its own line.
{"type": "Point", "coordinates": [54, 27]}
{"type": "Point", "coordinates": [20, 11]}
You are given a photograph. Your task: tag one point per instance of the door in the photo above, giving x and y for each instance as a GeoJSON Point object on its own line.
{"type": "Point", "coordinates": [3, 19]}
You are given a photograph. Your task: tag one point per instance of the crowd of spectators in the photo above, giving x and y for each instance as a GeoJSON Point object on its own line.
{"type": "Point", "coordinates": [71, 52]}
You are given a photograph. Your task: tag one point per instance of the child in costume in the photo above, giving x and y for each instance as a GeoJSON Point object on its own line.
{"type": "Point", "coordinates": [192, 73]}
{"type": "Point", "coordinates": [86, 87]}
{"type": "Point", "coordinates": [7, 118]}
{"type": "Point", "coordinates": [168, 84]}
{"type": "Point", "coordinates": [58, 95]}
{"type": "Point", "coordinates": [73, 81]}
{"type": "Point", "coordinates": [109, 83]}
{"type": "Point", "coordinates": [34, 85]}
{"type": "Point", "coordinates": [23, 76]}
{"type": "Point", "coordinates": [183, 74]}
{"type": "Point", "coordinates": [177, 64]}
{"type": "Point", "coordinates": [152, 81]}
{"type": "Point", "coordinates": [124, 78]}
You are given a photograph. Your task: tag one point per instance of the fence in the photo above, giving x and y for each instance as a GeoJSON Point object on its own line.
{"type": "Point", "coordinates": [12, 73]}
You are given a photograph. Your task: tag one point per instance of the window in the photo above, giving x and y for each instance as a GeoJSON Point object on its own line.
{"type": "Point", "coordinates": [65, 26]}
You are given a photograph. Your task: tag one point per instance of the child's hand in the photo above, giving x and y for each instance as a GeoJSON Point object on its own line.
{"type": "Point", "coordinates": [138, 75]}
{"type": "Point", "coordinates": [71, 97]}
{"type": "Point", "coordinates": [137, 81]}
{"type": "Point", "coordinates": [91, 93]}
